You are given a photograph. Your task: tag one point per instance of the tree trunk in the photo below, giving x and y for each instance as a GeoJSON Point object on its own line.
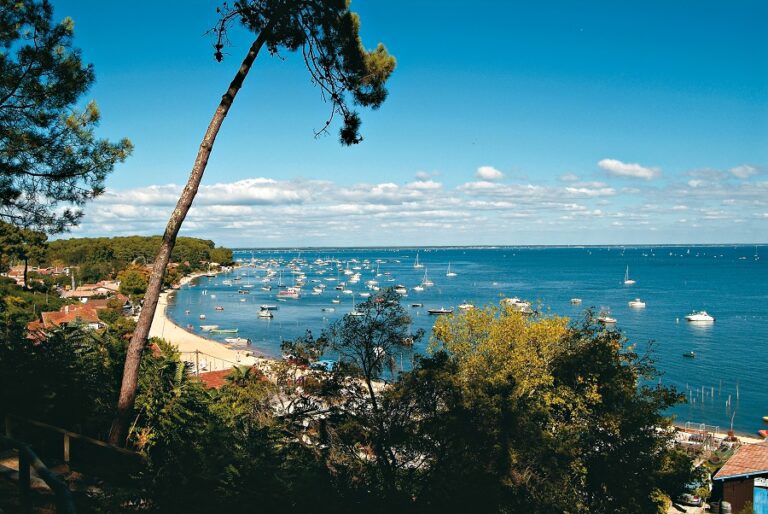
{"type": "Point", "coordinates": [138, 341]}
{"type": "Point", "coordinates": [26, 270]}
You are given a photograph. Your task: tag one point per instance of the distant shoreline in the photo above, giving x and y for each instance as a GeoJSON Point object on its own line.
{"type": "Point", "coordinates": [493, 247]}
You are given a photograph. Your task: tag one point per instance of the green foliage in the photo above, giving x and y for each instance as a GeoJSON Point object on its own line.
{"type": "Point", "coordinates": [19, 306]}
{"type": "Point", "coordinates": [133, 282]}
{"type": "Point", "coordinates": [68, 379]}
{"type": "Point", "coordinates": [51, 161]}
{"type": "Point", "coordinates": [100, 258]}
{"type": "Point", "coordinates": [328, 35]}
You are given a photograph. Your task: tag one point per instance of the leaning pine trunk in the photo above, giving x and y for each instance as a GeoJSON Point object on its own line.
{"type": "Point", "coordinates": [125, 404]}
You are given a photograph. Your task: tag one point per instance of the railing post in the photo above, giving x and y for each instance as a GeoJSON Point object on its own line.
{"type": "Point", "coordinates": [66, 448]}
{"type": "Point", "coordinates": [197, 362]}
{"type": "Point", "coordinates": [24, 481]}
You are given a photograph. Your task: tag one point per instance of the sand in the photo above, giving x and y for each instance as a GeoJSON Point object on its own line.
{"type": "Point", "coordinates": [207, 354]}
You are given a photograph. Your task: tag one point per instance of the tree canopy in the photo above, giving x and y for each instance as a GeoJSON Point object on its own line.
{"type": "Point", "coordinates": [51, 162]}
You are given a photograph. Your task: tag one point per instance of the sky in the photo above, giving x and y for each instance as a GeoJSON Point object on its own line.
{"type": "Point", "coordinates": [595, 122]}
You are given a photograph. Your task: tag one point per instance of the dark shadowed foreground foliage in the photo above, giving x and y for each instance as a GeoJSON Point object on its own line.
{"type": "Point", "coordinates": [507, 414]}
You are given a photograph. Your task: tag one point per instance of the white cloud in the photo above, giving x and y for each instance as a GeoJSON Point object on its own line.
{"type": "Point", "coordinates": [569, 177]}
{"type": "Point", "coordinates": [488, 173]}
{"type": "Point", "coordinates": [622, 169]}
{"type": "Point", "coordinates": [743, 171]}
{"type": "Point", "coordinates": [426, 175]}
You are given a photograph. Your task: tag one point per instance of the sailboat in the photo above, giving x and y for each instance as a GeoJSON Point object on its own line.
{"type": "Point", "coordinates": [450, 273]}
{"type": "Point", "coordinates": [416, 264]}
{"type": "Point", "coordinates": [354, 311]}
{"type": "Point", "coordinates": [628, 281]}
{"type": "Point", "coordinates": [426, 282]}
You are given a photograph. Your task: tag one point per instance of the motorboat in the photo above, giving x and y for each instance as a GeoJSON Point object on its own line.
{"type": "Point", "coordinates": [266, 313]}
{"type": "Point", "coordinates": [289, 292]}
{"type": "Point", "coordinates": [466, 306]}
{"type": "Point", "coordinates": [356, 313]}
{"type": "Point", "coordinates": [328, 309]}
{"type": "Point", "coordinates": [336, 300]}
{"type": "Point", "coordinates": [237, 340]}
{"type": "Point", "coordinates": [606, 320]}
{"type": "Point", "coordinates": [417, 305]}
{"type": "Point", "coordinates": [202, 316]}
{"type": "Point", "coordinates": [518, 305]}
{"type": "Point", "coordinates": [690, 355]}
{"type": "Point", "coordinates": [224, 331]}
{"type": "Point", "coordinates": [418, 289]}
{"type": "Point", "coordinates": [219, 308]}
{"type": "Point", "coordinates": [575, 301]}
{"type": "Point", "coordinates": [699, 316]}
{"type": "Point", "coordinates": [440, 311]}
{"type": "Point", "coordinates": [637, 303]}
{"type": "Point", "coordinates": [401, 289]}
{"type": "Point", "coordinates": [208, 328]}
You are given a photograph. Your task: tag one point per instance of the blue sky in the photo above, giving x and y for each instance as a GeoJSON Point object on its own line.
{"type": "Point", "coordinates": [507, 123]}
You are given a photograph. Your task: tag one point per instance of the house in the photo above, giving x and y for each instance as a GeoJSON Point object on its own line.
{"type": "Point", "coordinates": [86, 291]}
{"type": "Point", "coordinates": [72, 314]}
{"type": "Point", "coordinates": [744, 478]}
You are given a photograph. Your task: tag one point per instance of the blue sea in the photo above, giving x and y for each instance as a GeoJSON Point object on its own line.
{"type": "Point", "coordinates": [728, 378]}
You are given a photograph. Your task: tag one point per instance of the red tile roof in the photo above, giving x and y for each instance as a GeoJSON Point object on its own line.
{"type": "Point", "coordinates": [748, 460]}
{"type": "Point", "coordinates": [68, 314]}
{"type": "Point", "coordinates": [214, 379]}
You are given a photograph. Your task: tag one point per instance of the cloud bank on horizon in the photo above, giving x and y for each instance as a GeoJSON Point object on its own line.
{"type": "Point", "coordinates": [708, 206]}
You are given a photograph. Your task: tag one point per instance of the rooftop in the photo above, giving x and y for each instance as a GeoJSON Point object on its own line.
{"type": "Point", "coordinates": [749, 459]}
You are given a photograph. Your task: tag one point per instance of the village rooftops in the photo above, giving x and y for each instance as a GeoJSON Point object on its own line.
{"type": "Point", "coordinates": [749, 459]}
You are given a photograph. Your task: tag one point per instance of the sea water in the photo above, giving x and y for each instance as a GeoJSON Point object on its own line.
{"type": "Point", "coordinates": [727, 379]}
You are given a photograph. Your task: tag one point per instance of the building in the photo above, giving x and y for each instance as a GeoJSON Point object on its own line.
{"type": "Point", "coordinates": [744, 478]}
{"type": "Point", "coordinates": [87, 291]}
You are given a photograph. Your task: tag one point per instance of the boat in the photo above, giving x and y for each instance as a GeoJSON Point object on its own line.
{"type": "Point", "coordinates": [690, 355]}
{"type": "Point", "coordinates": [628, 281]}
{"type": "Point", "coordinates": [219, 308]}
{"type": "Point", "coordinates": [187, 311]}
{"type": "Point", "coordinates": [202, 316]}
{"type": "Point", "coordinates": [441, 310]}
{"type": "Point", "coordinates": [417, 305]}
{"type": "Point", "coordinates": [224, 331]}
{"type": "Point", "coordinates": [637, 303]}
{"type": "Point", "coordinates": [266, 313]}
{"type": "Point", "coordinates": [266, 288]}
{"type": "Point", "coordinates": [328, 309]}
{"type": "Point", "coordinates": [518, 305]}
{"type": "Point", "coordinates": [243, 291]}
{"type": "Point", "coordinates": [237, 340]}
{"type": "Point", "coordinates": [268, 307]}
{"type": "Point", "coordinates": [450, 273]}
{"type": "Point", "coordinates": [418, 288]}
{"type": "Point", "coordinates": [401, 289]}
{"type": "Point", "coordinates": [208, 328]}
{"type": "Point", "coordinates": [606, 320]}
{"type": "Point", "coordinates": [356, 313]}
{"type": "Point", "coordinates": [575, 301]}
{"type": "Point", "coordinates": [763, 433]}
{"type": "Point", "coordinates": [699, 316]}
{"type": "Point", "coordinates": [466, 306]}
{"type": "Point", "coordinates": [336, 300]}
{"type": "Point", "coordinates": [765, 418]}
{"type": "Point", "coordinates": [416, 264]}
{"type": "Point", "coordinates": [425, 281]}
{"type": "Point", "coordinates": [289, 292]}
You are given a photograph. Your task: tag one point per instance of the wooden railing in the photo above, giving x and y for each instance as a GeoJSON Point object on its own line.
{"type": "Point", "coordinates": [27, 461]}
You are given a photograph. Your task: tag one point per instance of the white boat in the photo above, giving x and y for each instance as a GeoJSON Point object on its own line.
{"type": "Point", "coordinates": [440, 311]}
{"type": "Point", "coordinates": [575, 301]}
{"type": "Point", "coordinates": [208, 328]}
{"type": "Point", "coordinates": [289, 292]}
{"type": "Point", "coordinates": [400, 289]}
{"type": "Point", "coordinates": [518, 304]}
{"type": "Point", "coordinates": [237, 340]}
{"type": "Point", "coordinates": [365, 295]}
{"type": "Point", "coordinates": [466, 306]}
{"type": "Point", "coordinates": [418, 288]}
{"type": "Point", "coordinates": [628, 281]}
{"type": "Point", "coordinates": [268, 307]}
{"type": "Point", "coordinates": [637, 303]}
{"type": "Point", "coordinates": [266, 313]}
{"type": "Point", "coordinates": [328, 309]}
{"type": "Point", "coordinates": [699, 316]}
{"type": "Point", "coordinates": [606, 320]}
{"type": "Point", "coordinates": [450, 273]}
{"type": "Point", "coordinates": [425, 281]}
{"type": "Point", "coordinates": [416, 264]}
{"type": "Point", "coordinates": [202, 316]}
{"type": "Point", "coordinates": [336, 300]}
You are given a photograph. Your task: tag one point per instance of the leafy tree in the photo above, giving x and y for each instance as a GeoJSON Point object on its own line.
{"type": "Point", "coordinates": [51, 163]}
{"type": "Point", "coordinates": [23, 244]}
{"type": "Point", "coordinates": [133, 282]}
{"type": "Point", "coordinates": [327, 33]}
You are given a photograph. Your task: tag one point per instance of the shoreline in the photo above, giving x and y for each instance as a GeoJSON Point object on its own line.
{"type": "Point", "coordinates": [214, 355]}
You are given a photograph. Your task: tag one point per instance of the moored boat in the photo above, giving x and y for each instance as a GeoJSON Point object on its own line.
{"type": "Point", "coordinates": [637, 303]}
{"type": "Point", "coordinates": [237, 340]}
{"type": "Point", "coordinates": [440, 311]}
{"type": "Point", "coordinates": [575, 301]}
{"type": "Point", "coordinates": [208, 328]}
{"type": "Point", "coordinates": [699, 316]}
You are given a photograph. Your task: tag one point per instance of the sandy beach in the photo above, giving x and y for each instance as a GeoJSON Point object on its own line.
{"type": "Point", "coordinates": [209, 355]}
